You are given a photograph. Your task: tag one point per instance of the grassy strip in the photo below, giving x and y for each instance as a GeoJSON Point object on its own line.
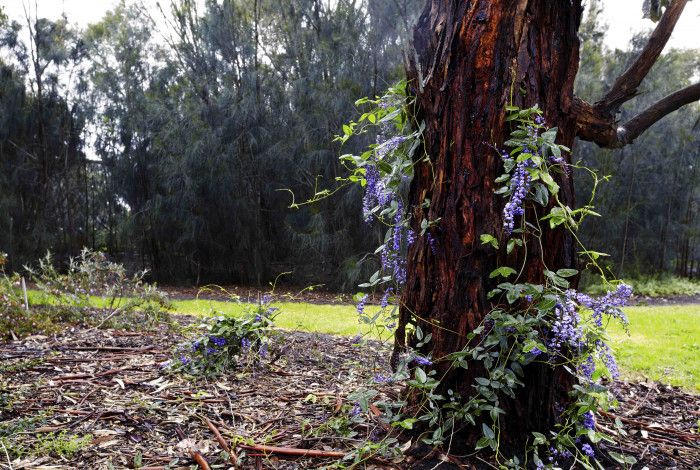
{"type": "Point", "coordinates": [663, 345]}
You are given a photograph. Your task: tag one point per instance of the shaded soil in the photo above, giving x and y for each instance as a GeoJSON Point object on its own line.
{"type": "Point", "coordinates": [109, 387]}
{"type": "Point", "coordinates": [671, 300]}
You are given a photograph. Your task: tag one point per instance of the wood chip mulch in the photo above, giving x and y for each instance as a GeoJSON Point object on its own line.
{"type": "Point", "coordinates": [110, 386]}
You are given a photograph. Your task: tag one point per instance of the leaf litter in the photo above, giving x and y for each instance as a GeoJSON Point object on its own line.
{"type": "Point", "coordinates": [107, 393]}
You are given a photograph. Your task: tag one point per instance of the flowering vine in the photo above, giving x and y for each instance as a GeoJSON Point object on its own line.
{"type": "Point", "coordinates": [548, 323]}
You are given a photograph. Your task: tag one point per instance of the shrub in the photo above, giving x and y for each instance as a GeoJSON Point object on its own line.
{"type": "Point", "coordinates": [99, 292]}
{"type": "Point", "coordinates": [227, 339]}
{"type": "Point", "coordinates": [15, 320]}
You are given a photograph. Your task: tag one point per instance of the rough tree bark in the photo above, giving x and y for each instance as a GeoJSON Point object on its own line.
{"type": "Point", "coordinates": [471, 59]}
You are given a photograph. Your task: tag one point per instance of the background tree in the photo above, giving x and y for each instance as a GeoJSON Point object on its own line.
{"type": "Point", "coordinates": [185, 126]}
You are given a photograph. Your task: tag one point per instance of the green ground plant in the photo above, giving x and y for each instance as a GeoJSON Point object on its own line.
{"type": "Point", "coordinates": [227, 339]}
{"type": "Point", "coordinates": [61, 444]}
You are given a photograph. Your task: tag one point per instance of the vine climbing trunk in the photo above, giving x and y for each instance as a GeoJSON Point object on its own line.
{"type": "Point", "coordinates": [471, 60]}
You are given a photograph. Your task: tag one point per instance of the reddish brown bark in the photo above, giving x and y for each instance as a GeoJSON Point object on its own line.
{"type": "Point", "coordinates": [471, 58]}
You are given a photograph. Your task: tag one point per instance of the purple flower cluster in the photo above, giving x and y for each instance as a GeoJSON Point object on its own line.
{"type": "Point", "coordinates": [388, 146]}
{"type": "Point", "coordinates": [375, 191]}
{"type": "Point", "coordinates": [554, 454]}
{"type": "Point", "coordinates": [565, 329]}
{"type": "Point", "coordinates": [245, 344]}
{"type": "Point", "coordinates": [361, 305]}
{"type": "Point", "coordinates": [422, 361]}
{"type": "Point", "coordinates": [605, 354]}
{"type": "Point", "coordinates": [381, 379]}
{"type": "Point", "coordinates": [217, 340]}
{"type": "Point", "coordinates": [588, 420]}
{"type": "Point", "coordinates": [588, 450]}
{"type": "Point", "coordinates": [385, 297]}
{"type": "Point", "coordinates": [587, 368]}
{"type": "Point", "coordinates": [392, 260]}
{"type": "Point", "coordinates": [519, 187]}
{"type": "Point", "coordinates": [609, 304]}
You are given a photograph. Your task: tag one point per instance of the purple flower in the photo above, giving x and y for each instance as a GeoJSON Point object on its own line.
{"type": "Point", "coordinates": [609, 304]}
{"type": "Point", "coordinates": [263, 350]}
{"type": "Point", "coordinates": [528, 298]}
{"type": "Point", "coordinates": [566, 329]}
{"type": "Point", "coordinates": [519, 188]}
{"type": "Point", "coordinates": [374, 191]}
{"type": "Point", "coordinates": [588, 367]}
{"type": "Point", "coordinates": [185, 360]}
{"type": "Point", "coordinates": [410, 237]}
{"type": "Point", "coordinates": [423, 361]}
{"type": "Point", "coordinates": [389, 146]}
{"type": "Point", "coordinates": [379, 378]}
{"type": "Point", "coordinates": [217, 340]}
{"type": "Point", "coordinates": [356, 410]}
{"type": "Point", "coordinates": [245, 344]}
{"type": "Point", "coordinates": [588, 450]}
{"type": "Point", "coordinates": [605, 354]}
{"type": "Point", "coordinates": [588, 420]}
{"type": "Point", "coordinates": [361, 305]}
{"type": "Point", "coordinates": [210, 351]}
{"type": "Point", "coordinates": [385, 297]}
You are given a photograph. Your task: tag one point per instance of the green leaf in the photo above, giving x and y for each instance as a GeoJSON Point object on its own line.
{"type": "Point", "coordinates": [488, 432]}
{"type": "Point", "coordinates": [549, 181]}
{"type": "Point", "coordinates": [503, 271]}
{"type": "Point", "coordinates": [483, 381]}
{"type": "Point", "coordinates": [541, 194]}
{"type": "Point", "coordinates": [483, 442]}
{"type": "Point", "coordinates": [567, 272]}
{"type": "Point", "coordinates": [622, 459]}
{"type": "Point", "coordinates": [489, 239]}
{"type": "Point", "coordinates": [421, 375]}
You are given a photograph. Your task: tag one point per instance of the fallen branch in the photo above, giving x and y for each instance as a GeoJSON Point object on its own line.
{"type": "Point", "coordinates": [222, 442]}
{"type": "Point", "coordinates": [194, 453]}
{"type": "Point", "coordinates": [294, 451]}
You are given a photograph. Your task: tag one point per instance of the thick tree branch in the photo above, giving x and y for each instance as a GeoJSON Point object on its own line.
{"type": "Point", "coordinates": [642, 121]}
{"type": "Point", "coordinates": [625, 87]}
{"type": "Point", "coordinates": [595, 125]}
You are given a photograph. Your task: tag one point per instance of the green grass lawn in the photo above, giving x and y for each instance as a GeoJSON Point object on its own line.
{"type": "Point", "coordinates": [663, 345]}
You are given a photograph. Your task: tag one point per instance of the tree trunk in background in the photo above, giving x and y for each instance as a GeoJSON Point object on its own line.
{"type": "Point", "coordinates": [470, 58]}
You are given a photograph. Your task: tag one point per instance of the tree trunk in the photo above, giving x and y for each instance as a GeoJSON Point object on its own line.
{"type": "Point", "coordinates": [472, 58]}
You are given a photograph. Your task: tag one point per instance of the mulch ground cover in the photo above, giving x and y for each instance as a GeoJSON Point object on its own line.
{"type": "Point", "coordinates": [106, 393]}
